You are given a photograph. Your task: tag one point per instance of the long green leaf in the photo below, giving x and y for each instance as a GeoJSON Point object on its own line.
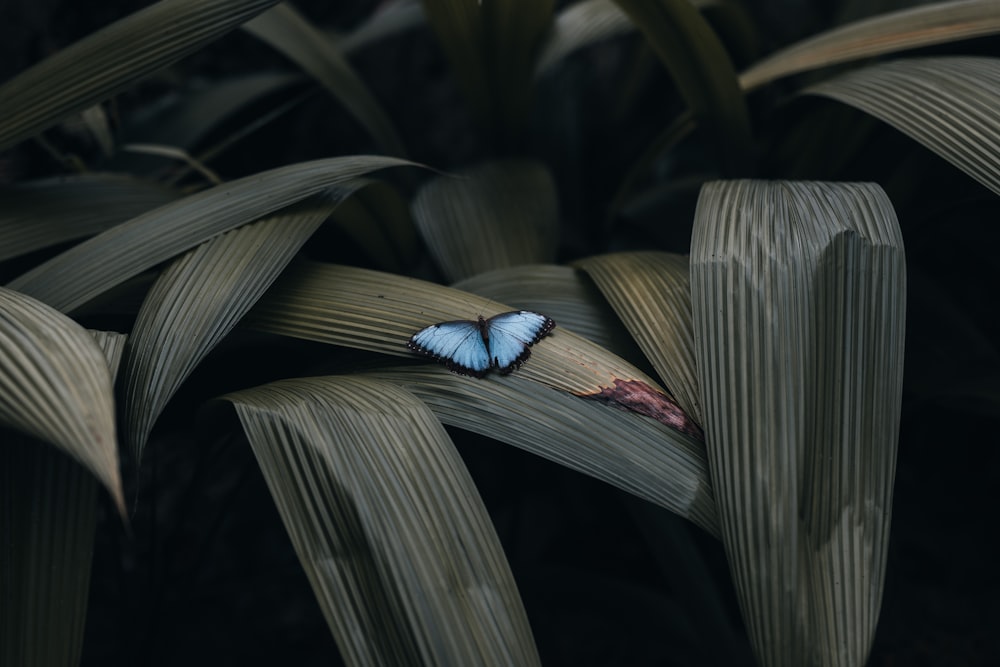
{"type": "Point", "coordinates": [914, 27]}
{"type": "Point", "coordinates": [48, 518]}
{"type": "Point", "coordinates": [55, 385]}
{"type": "Point", "coordinates": [494, 215]}
{"type": "Point", "coordinates": [387, 523]}
{"type": "Point", "coordinates": [702, 70]}
{"type": "Point", "coordinates": [379, 312]}
{"type": "Point", "coordinates": [799, 293]}
{"type": "Point", "coordinates": [83, 272]}
{"type": "Point", "coordinates": [112, 59]}
{"type": "Point", "coordinates": [948, 104]}
{"type": "Point", "coordinates": [634, 453]}
{"type": "Point", "coordinates": [578, 25]}
{"type": "Point", "coordinates": [198, 299]}
{"type": "Point", "coordinates": [290, 33]}
{"type": "Point", "coordinates": [43, 213]}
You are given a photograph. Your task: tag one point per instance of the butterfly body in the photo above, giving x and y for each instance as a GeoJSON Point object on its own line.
{"type": "Point", "coordinates": [473, 348]}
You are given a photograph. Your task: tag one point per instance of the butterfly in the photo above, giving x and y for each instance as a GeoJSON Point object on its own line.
{"type": "Point", "coordinates": [472, 348]}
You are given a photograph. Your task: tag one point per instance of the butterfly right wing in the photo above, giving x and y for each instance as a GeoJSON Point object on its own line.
{"type": "Point", "coordinates": [458, 345]}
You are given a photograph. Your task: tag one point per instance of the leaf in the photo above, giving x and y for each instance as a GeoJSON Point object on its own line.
{"type": "Point", "coordinates": [187, 117]}
{"type": "Point", "coordinates": [43, 213]}
{"type": "Point", "coordinates": [948, 104]}
{"type": "Point", "coordinates": [651, 293]}
{"type": "Point", "coordinates": [492, 48]}
{"type": "Point", "coordinates": [198, 300]}
{"type": "Point", "coordinates": [579, 25]}
{"type": "Point", "coordinates": [910, 28]}
{"type": "Point", "coordinates": [55, 386]}
{"type": "Point", "coordinates": [290, 33]}
{"type": "Point", "coordinates": [48, 520]}
{"type": "Point", "coordinates": [391, 17]}
{"type": "Point", "coordinates": [494, 215]}
{"type": "Point", "coordinates": [561, 292]}
{"type": "Point", "coordinates": [83, 272]}
{"type": "Point", "coordinates": [112, 59]}
{"type": "Point", "coordinates": [799, 293]}
{"type": "Point", "coordinates": [378, 219]}
{"type": "Point", "coordinates": [634, 453]}
{"type": "Point", "coordinates": [702, 70]}
{"type": "Point", "coordinates": [387, 523]}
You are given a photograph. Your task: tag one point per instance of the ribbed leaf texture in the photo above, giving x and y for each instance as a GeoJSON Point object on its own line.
{"type": "Point", "coordinates": [494, 215]}
{"type": "Point", "coordinates": [48, 506]}
{"type": "Point", "coordinates": [799, 294]}
{"type": "Point", "coordinates": [387, 523]}
{"type": "Point", "coordinates": [948, 104]}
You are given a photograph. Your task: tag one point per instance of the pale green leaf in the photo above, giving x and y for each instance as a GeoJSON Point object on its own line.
{"type": "Point", "coordinates": [651, 293]}
{"type": "Point", "coordinates": [910, 28]}
{"type": "Point", "coordinates": [55, 385]}
{"type": "Point", "coordinates": [799, 293]}
{"type": "Point", "coordinates": [387, 523]}
{"type": "Point", "coordinates": [634, 453]}
{"type": "Point", "coordinates": [43, 213]}
{"type": "Point", "coordinates": [948, 104]}
{"type": "Point", "coordinates": [375, 311]}
{"type": "Point", "coordinates": [491, 216]}
{"type": "Point", "coordinates": [198, 299]}
{"type": "Point", "coordinates": [290, 33]}
{"type": "Point", "coordinates": [83, 272]}
{"type": "Point", "coordinates": [112, 59]}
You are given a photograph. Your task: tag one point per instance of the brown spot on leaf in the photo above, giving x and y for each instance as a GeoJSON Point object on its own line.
{"type": "Point", "coordinates": [637, 396]}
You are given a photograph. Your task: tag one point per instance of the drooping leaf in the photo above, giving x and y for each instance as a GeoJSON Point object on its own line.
{"type": "Point", "coordinates": [387, 523]}
{"type": "Point", "coordinates": [632, 452]}
{"type": "Point", "coordinates": [72, 278]}
{"type": "Point", "coordinates": [579, 25]}
{"type": "Point", "coordinates": [913, 27]}
{"type": "Point", "coordinates": [48, 504]}
{"type": "Point", "coordinates": [491, 216]}
{"type": "Point", "coordinates": [377, 311]}
{"type": "Point", "coordinates": [55, 385]}
{"type": "Point", "coordinates": [290, 33]}
{"type": "Point", "coordinates": [112, 59]}
{"type": "Point", "coordinates": [799, 292]}
{"type": "Point", "coordinates": [43, 213]}
{"type": "Point", "coordinates": [198, 299]}
{"type": "Point", "coordinates": [391, 17]}
{"type": "Point", "coordinates": [702, 70]}
{"type": "Point", "coordinates": [948, 104]}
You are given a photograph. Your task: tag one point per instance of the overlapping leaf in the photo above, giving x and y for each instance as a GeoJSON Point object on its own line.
{"type": "Point", "coordinates": [799, 293]}
{"type": "Point", "coordinates": [494, 215]}
{"type": "Point", "coordinates": [114, 58]}
{"type": "Point", "coordinates": [913, 27]}
{"type": "Point", "coordinates": [69, 280]}
{"type": "Point", "coordinates": [387, 523]}
{"type": "Point", "coordinates": [948, 104]}
{"type": "Point", "coordinates": [55, 385]}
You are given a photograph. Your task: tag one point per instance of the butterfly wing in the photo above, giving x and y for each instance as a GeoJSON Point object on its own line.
{"type": "Point", "coordinates": [459, 345]}
{"type": "Point", "coordinates": [511, 334]}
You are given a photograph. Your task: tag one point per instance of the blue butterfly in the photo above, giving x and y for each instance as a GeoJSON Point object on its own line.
{"type": "Point", "coordinates": [472, 348]}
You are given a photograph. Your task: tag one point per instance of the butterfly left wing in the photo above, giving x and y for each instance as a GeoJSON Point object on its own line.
{"type": "Point", "coordinates": [511, 334]}
{"type": "Point", "coordinates": [459, 345]}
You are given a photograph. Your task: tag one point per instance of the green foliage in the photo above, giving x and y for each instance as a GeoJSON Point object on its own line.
{"type": "Point", "coordinates": [239, 221]}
